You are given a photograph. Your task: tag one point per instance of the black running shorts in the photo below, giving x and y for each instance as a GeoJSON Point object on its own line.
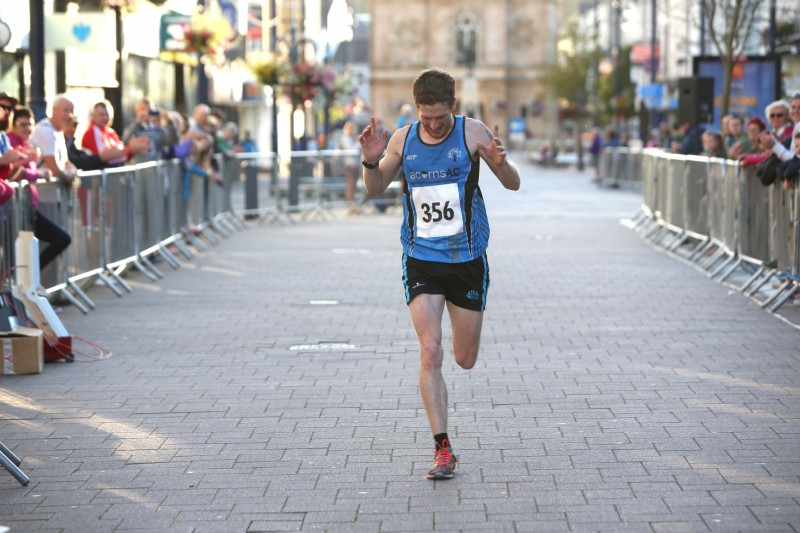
{"type": "Point", "coordinates": [463, 284]}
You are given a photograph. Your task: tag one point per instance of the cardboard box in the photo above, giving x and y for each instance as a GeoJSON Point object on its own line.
{"type": "Point", "coordinates": [22, 351]}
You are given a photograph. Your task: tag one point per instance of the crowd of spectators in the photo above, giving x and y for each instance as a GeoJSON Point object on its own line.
{"type": "Point", "coordinates": [771, 145]}
{"type": "Point", "coordinates": [48, 149]}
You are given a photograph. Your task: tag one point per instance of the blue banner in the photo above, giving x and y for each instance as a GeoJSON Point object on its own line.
{"type": "Point", "coordinates": [755, 83]}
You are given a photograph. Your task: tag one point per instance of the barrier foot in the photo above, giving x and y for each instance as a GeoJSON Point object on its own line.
{"type": "Point", "coordinates": [271, 215]}
{"type": "Point", "coordinates": [714, 273]}
{"type": "Point", "coordinates": [74, 301]}
{"type": "Point", "coordinates": [119, 280]}
{"type": "Point", "coordinates": [653, 232]}
{"type": "Point", "coordinates": [141, 268]}
{"type": "Point", "coordinates": [167, 256]}
{"type": "Point", "coordinates": [699, 251]}
{"type": "Point", "coordinates": [236, 220]}
{"type": "Point", "coordinates": [753, 278]}
{"type": "Point", "coordinates": [151, 266]}
{"type": "Point", "coordinates": [11, 463]}
{"type": "Point", "coordinates": [708, 262]}
{"type": "Point", "coordinates": [224, 223]}
{"type": "Point", "coordinates": [667, 237]}
{"type": "Point", "coordinates": [646, 228]}
{"type": "Point", "coordinates": [206, 232]}
{"type": "Point", "coordinates": [785, 285]}
{"type": "Point", "coordinates": [194, 241]}
{"type": "Point", "coordinates": [731, 270]}
{"type": "Point", "coordinates": [218, 226]}
{"type": "Point", "coordinates": [784, 297]}
{"type": "Point", "coordinates": [182, 248]}
{"type": "Point", "coordinates": [81, 294]}
{"type": "Point", "coordinates": [679, 240]}
{"type": "Point", "coordinates": [757, 287]}
{"type": "Point", "coordinates": [108, 282]}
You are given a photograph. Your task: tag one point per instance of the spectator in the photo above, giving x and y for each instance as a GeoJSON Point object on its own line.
{"type": "Point", "coordinates": [48, 137]}
{"type": "Point", "coordinates": [691, 135]}
{"type": "Point", "coordinates": [789, 170]}
{"type": "Point", "coordinates": [8, 156]}
{"type": "Point", "coordinates": [248, 145]}
{"type": "Point", "coordinates": [205, 124]}
{"type": "Point", "coordinates": [725, 130]}
{"type": "Point", "coordinates": [21, 129]}
{"type": "Point", "coordinates": [783, 150]}
{"type": "Point", "coordinates": [226, 139]}
{"type": "Point", "coordinates": [193, 144]}
{"type": "Point", "coordinates": [102, 140]}
{"type": "Point", "coordinates": [655, 138]}
{"type": "Point", "coordinates": [596, 150]}
{"type": "Point", "coordinates": [713, 144]}
{"type": "Point", "coordinates": [82, 159]}
{"type": "Point", "coordinates": [160, 136]}
{"type": "Point", "coordinates": [349, 141]}
{"type": "Point", "coordinates": [665, 134]}
{"type": "Point", "coordinates": [739, 143]}
{"type": "Point", "coordinates": [405, 117]}
{"type": "Point", "coordinates": [777, 139]}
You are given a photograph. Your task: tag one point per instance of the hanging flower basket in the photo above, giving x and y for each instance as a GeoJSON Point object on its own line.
{"type": "Point", "coordinates": [271, 73]}
{"type": "Point", "coordinates": [209, 36]}
{"type": "Point", "coordinates": [306, 80]}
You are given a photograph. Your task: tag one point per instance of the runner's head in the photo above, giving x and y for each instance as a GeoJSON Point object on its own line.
{"type": "Point", "coordinates": [435, 97]}
{"type": "Point", "coordinates": [434, 86]}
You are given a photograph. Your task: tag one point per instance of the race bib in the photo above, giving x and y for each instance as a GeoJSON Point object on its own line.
{"type": "Point", "coordinates": [438, 210]}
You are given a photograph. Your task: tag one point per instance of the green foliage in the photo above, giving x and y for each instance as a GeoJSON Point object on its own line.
{"type": "Point", "coordinates": [566, 81]}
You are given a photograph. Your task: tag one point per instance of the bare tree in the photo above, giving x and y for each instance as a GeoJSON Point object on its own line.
{"type": "Point", "coordinates": [730, 26]}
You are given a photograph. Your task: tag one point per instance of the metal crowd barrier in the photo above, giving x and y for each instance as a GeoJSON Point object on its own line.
{"type": "Point", "coordinates": [130, 216]}
{"type": "Point", "coordinates": [621, 166]}
{"type": "Point", "coordinates": [120, 218]}
{"type": "Point", "coordinates": [717, 215]}
{"type": "Point", "coordinates": [307, 183]}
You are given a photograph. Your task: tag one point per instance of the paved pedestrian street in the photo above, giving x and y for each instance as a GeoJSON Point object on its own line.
{"type": "Point", "coordinates": [270, 384]}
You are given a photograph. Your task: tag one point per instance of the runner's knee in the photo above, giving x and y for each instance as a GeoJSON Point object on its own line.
{"type": "Point", "coordinates": [431, 355]}
{"type": "Point", "coordinates": [466, 359]}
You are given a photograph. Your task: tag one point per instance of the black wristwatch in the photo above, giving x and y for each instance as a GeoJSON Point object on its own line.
{"type": "Point", "coordinates": [371, 166]}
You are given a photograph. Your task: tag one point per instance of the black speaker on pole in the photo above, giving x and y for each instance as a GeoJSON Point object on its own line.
{"type": "Point", "coordinates": [696, 100]}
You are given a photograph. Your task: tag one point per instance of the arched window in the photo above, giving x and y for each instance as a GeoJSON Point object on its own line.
{"type": "Point", "coordinates": [466, 39]}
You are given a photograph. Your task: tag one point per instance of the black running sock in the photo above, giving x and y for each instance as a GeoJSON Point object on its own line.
{"type": "Point", "coordinates": [441, 441]}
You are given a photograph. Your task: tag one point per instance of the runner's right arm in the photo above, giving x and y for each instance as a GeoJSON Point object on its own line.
{"type": "Point", "coordinates": [373, 143]}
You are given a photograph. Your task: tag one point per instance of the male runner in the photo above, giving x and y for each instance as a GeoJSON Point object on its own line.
{"type": "Point", "coordinates": [444, 234]}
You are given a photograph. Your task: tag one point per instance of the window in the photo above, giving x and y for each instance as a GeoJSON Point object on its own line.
{"type": "Point", "coordinates": [466, 37]}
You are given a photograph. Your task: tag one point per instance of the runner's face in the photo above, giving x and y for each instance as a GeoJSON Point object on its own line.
{"type": "Point", "coordinates": [436, 119]}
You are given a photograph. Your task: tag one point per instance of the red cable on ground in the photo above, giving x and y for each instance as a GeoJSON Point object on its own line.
{"type": "Point", "coordinates": [102, 352]}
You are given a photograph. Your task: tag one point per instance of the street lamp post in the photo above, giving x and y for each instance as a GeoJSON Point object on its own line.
{"type": "Point", "coordinates": [616, 5]}
{"type": "Point", "coordinates": [293, 44]}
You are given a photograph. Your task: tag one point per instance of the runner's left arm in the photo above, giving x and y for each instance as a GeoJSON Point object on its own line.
{"type": "Point", "coordinates": [491, 149]}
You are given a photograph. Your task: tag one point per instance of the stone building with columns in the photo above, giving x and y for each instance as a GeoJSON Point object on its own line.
{"type": "Point", "coordinates": [498, 52]}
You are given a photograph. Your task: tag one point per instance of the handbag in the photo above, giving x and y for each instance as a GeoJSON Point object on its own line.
{"type": "Point", "coordinates": [767, 170]}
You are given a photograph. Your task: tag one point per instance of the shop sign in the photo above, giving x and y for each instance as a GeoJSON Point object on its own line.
{"type": "Point", "coordinates": [171, 33]}
{"type": "Point", "coordinates": [83, 31]}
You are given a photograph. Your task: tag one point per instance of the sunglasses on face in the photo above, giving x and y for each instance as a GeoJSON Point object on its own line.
{"type": "Point", "coordinates": [776, 115]}
{"type": "Point", "coordinates": [7, 107]}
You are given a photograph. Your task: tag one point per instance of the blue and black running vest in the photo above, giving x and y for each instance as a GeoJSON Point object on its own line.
{"type": "Point", "coordinates": [444, 217]}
